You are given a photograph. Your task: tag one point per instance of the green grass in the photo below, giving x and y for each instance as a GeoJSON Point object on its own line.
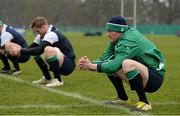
{"type": "Point", "coordinates": [84, 91]}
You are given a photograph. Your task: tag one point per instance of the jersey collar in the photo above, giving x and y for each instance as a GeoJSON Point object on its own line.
{"type": "Point", "coordinates": [49, 29]}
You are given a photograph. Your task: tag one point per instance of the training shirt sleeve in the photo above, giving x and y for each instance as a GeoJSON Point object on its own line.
{"type": "Point", "coordinates": [35, 50]}
{"type": "Point", "coordinates": [37, 39]}
{"type": "Point", "coordinates": [107, 54]}
{"type": "Point", "coordinates": [122, 52]}
{"type": "Point", "coordinates": [6, 37]}
{"type": "Point", "coordinates": [51, 37]}
{"type": "Point", "coordinates": [33, 45]}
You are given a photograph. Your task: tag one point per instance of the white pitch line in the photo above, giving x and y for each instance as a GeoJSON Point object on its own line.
{"type": "Point", "coordinates": [74, 95]}
{"type": "Point", "coordinates": [44, 106]}
{"type": "Point", "coordinates": [166, 103]}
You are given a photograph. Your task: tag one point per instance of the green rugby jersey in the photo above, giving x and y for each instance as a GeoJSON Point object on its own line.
{"type": "Point", "coordinates": [132, 45]}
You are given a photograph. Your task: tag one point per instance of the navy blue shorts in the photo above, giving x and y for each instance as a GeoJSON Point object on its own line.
{"type": "Point", "coordinates": [154, 82]}
{"type": "Point", "coordinates": [21, 59]}
{"type": "Point", "coordinates": [67, 67]}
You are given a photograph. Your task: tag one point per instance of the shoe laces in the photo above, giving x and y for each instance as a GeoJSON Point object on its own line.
{"type": "Point", "coordinates": [143, 106]}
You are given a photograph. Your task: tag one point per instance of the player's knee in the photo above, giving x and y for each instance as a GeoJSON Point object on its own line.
{"type": "Point", "coordinates": [8, 45]}
{"type": "Point", "coordinates": [48, 51]}
{"type": "Point", "coordinates": [127, 65]}
{"type": "Point", "coordinates": [120, 73]}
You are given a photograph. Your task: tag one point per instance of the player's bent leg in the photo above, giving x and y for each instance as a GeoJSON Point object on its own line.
{"type": "Point", "coordinates": [118, 85]}
{"type": "Point", "coordinates": [8, 48]}
{"type": "Point", "coordinates": [6, 69]}
{"type": "Point", "coordinates": [122, 75]}
{"type": "Point", "coordinates": [138, 76]}
{"type": "Point", "coordinates": [133, 67]}
{"type": "Point", "coordinates": [54, 53]}
{"type": "Point", "coordinates": [10, 45]}
{"type": "Point", "coordinates": [14, 60]}
{"type": "Point", "coordinates": [54, 58]}
{"type": "Point", "coordinates": [43, 67]}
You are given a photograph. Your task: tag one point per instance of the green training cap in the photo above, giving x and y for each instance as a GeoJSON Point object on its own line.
{"type": "Point", "coordinates": [117, 23]}
{"type": "Point", "coordinates": [116, 27]}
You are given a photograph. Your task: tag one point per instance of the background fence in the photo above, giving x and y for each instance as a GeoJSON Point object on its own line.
{"type": "Point", "coordinates": [158, 29]}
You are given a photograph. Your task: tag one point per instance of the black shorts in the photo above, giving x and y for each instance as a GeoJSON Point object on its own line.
{"type": "Point", "coordinates": [21, 59]}
{"type": "Point", "coordinates": [154, 82]}
{"type": "Point", "coordinates": [67, 67]}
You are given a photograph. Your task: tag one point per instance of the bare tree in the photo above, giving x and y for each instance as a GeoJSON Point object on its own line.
{"type": "Point", "coordinates": [88, 12]}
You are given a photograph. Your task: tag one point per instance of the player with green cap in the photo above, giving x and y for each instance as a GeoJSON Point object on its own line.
{"type": "Point", "coordinates": [130, 57]}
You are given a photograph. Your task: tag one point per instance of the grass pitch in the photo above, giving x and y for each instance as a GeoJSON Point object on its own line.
{"type": "Point", "coordinates": [84, 92]}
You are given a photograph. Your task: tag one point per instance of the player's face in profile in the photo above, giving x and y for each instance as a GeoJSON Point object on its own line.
{"type": "Point", "coordinates": [113, 35]}
{"type": "Point", "coordinates": [40, 30]}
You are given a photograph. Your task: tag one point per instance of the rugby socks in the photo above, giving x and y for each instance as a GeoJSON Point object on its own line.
{"type": "Point", "coordinates": [42, 65]}
{"type": "Point", "coordinates": [16, 64]}
{"type": "Point", "coordinates": [136, 83]}
{"type": "Point", "coordinates": [5, 62]}
{"type": "Point", "coordinates": [54, 66]}
{"type": "Point", "coordinates": [118, 85]}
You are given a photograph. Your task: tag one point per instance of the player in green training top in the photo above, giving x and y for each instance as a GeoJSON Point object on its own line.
{"type": "Point", "coordinates": [130, 57]}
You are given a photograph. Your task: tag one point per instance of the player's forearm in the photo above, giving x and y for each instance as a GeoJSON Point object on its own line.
{"type": "Point", "coordinates": [32, 51]}
{"type": "Point", "coordinates": [92, 67]}
{"type": "Point", "coordinates": [35, 50]}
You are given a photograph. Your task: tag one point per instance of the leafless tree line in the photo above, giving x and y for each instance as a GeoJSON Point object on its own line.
{"type": "Point", "coordinates": [88, 12]}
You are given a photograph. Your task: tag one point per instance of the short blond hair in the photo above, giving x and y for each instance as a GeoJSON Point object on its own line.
{"type": "Point", "coordinates": [38, 22]}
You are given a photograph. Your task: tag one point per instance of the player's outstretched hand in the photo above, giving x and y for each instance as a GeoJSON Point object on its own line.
{"type": "Point", "coordinates": [83, 63]}
{"type": "Point", "coordinates": [15, 51]}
